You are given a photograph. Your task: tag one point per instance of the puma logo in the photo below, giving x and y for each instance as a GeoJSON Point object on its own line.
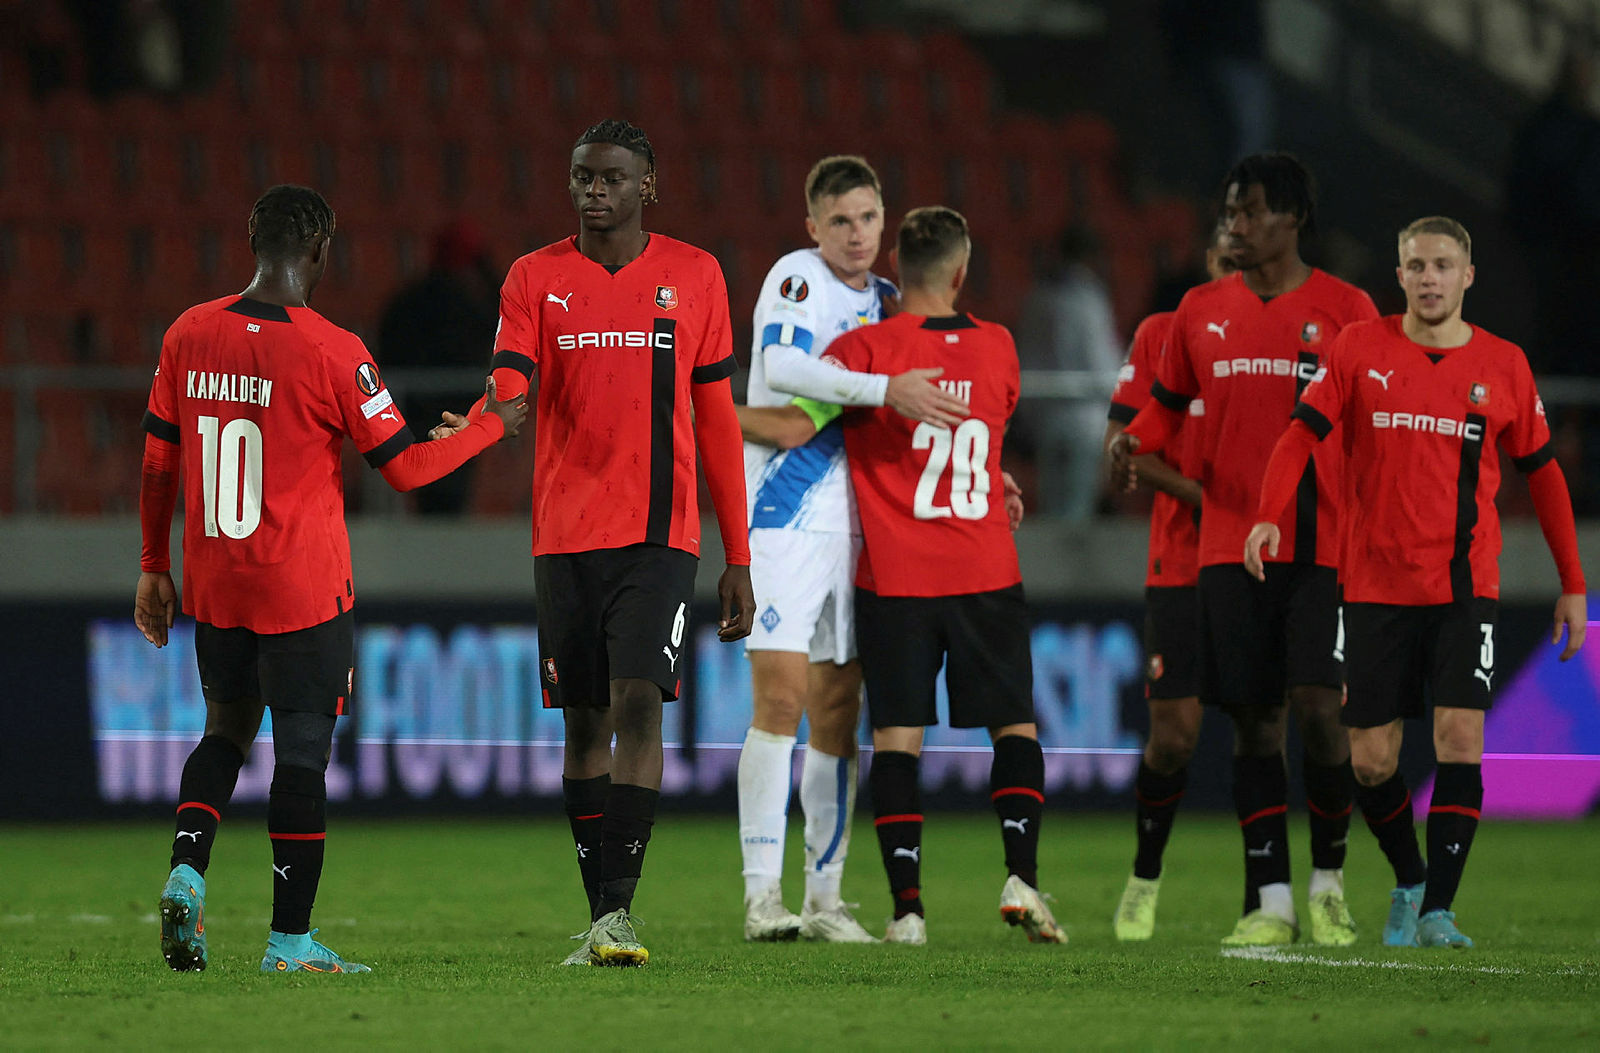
{"type": "Point", "coordinates": [913, 854]}
{"type": "Point", "coordinates": [1487, 678]}
{"type": "Point", "coordinates": [1220, 330]}
{"type": "Point", "coordinates": [282, 871]}
{"type": "Point", "coordinates": [1260, 853]}
{"type": "Point", "coordinates": [562, 300]}
{"type": "Point", "coordinates": [1382, 378]}
{"type": "Point", "coordinates": [1019, 825]}
{"type": "Point", "coordinates": [671, 658]}
{"type": "Point", "coordinates": [388, 415]}
{"type": "Point", "coordinates": [1454, 848]}
{"type": "Point", "coordinates": [193, 835]}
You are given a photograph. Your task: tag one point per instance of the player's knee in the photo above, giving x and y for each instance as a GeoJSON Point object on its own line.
{"type": "Point", "coordinates": [1458, 736]}
{"type": "Point", "coordinates": [1372, 769]}
{"type": "Point", "coordinates": [1170, 748]}
{"type": "Point", "coordinates": [1258, 733]}
{"type": "Point", "coordinates": [778, 708]}
{"type": "Point", "coordinates": [302, 740]}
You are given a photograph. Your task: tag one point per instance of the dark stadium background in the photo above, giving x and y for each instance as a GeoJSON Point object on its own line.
{"type": "Point", "coordinates": [136, 136]}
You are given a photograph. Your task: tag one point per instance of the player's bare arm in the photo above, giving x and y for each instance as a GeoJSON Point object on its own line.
{"type": "Point", "coordinates": [738, 601]}
{"type": "Point", "coordinates": [155, 603]}
{"type": "Point", "coordinates": [1572, 613]}
{"type": "Point", "coordinates": [783, 427]}
{"type": "Point", "coordinates": [913, 395]}
{"type": "Point", "coordinates": [1148, 468]}
{"type": "Point", "coordinates": [1261, 534]}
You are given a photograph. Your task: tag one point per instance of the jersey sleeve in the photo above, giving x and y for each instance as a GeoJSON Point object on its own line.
{"type": "Point", "coordinates": [1013, 372]}
{"type": "Point", "coordinates": [516, 339]}
{"type": "Point", "coordinates": [161, 412]}
{"type": "Point", "coordinates": [1527, 439]}
{"type": "Point", "coordinates": [786, 309]}
{"type": "Point", "coordinates": [1133, 379]}
{"type": "Point", "coordinates": [366, 409]}
{"type": "Point", "coordinates": [714, 359]}
{"type": "Point", "coordinates": [1175, 384]}
{"type": "Point", "coordinates": [1322, 403]}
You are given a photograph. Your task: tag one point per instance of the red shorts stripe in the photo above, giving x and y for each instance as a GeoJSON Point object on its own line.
{"type": "Point", "coordinates": [1156, 804]}
{"type": "Point", "coordinates": [1392, 816]}
{"type": "Point", "coordinates": [1277, 809]}
{"type": "Point", "coordinates": [1026, 791]}
{"type": "Point", "coordinates": [1328, 815]}
{"type": "Point", "coordinates": [1455, 809]}
{"type": "Point", "coordinates": [298, 837]}
{"type": "Point", "coordinates": [883, 820]}
{"type": "Point", "coordinates": [338, 710]}
{"type": "Point", "coordinates": [203, 807]}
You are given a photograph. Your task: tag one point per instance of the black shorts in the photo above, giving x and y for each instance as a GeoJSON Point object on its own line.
{"type": "Point", "coordinates": [611, 614]}
{"type": "Point", "coordinates": [308, 670]}
{"type": "Point", "coordinates": [981, 638]}
{"type": "Point", "coordinates": [1259, 638]}
{"type": "Point", "coordinates": [1171, 641]}
{"type": "Point", "coordinates": [1396, 658]}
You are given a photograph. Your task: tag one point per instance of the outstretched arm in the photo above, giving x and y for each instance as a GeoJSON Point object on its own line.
{"type": "Point", "coordinates": [424, 462]}
{"type": "Point", "coordinates": [1148, 468]}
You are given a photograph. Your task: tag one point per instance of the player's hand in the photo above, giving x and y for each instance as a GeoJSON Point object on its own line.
{"type": "Point", "coordinates": [453, 422]}
{"type": "Point", "coordinates": [155, 603]}
{"type": "Point", "coordinates": [1261, 534]}
{"type": "Point", "coordinates": [738, 604]}
{"type": "Point", "coordinates": [1013, 492]}
{"type": "Point", "coordinates": [913, 394]}
{"type": "Point", "coordinates": [1119, 453]}
{"type": "Point", "coordinates": [1572, 610]}
{"type": "Point", "coordinates": [512, 412]}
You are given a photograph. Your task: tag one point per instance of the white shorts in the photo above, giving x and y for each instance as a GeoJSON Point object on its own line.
{"type": "Point", "coordinates": [804, 582]}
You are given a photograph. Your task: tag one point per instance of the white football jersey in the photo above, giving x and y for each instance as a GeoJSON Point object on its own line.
{"type": "Point", "coordinates": [804, 305]}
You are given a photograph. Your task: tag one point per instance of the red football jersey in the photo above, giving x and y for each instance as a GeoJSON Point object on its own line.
{"type": "Point", "coordinates": [1421, 431]}
{"type": "Point", "coordinates": [1248, 360]}
{"type": "Point", "coordinates": [933, 516]}
{"type": "Point", "coordinates": [259, 398]}
{"type": "Point", "coordinates": [614, 439]}
{"type": "Point", "coordinates": [1174, 530]}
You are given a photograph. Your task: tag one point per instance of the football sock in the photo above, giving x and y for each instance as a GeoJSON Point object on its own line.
{"type": "Point", "coordinates": [1260, 796]}
{"type": "Point", "coordinates": [1157, 798]}
{"type": "Point", "coordinates": [297, 823]}
{"type": "Point", "coordinates": [1387, 807]}
{"type": "Point", "coordinates": [1330, 792]}
{"type": "Point", "coordinates": [828, 798]}
{"type": "Point", "coordinates": [764, 782]}
{"type": "Point", "coordinates": [1452, 820]}
{"type": "Point", "coordinates": [897, 814]}
{"type": "Point", "coordinates": [630, 813]}
{"type": "Point", "coordinates": [209, 776]}
{"type": "Point", "coordinates": [585, 801]}
{"type": "Point", "coordinates": [1016, 787]}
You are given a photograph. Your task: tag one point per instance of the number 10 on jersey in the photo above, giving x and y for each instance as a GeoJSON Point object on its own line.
{"type": "Point", "coordinates": [965, 451]}
{"type": "Point", "coordinates": [230, 476]}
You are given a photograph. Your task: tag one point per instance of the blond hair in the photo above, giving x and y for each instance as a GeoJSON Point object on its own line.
{"type": "Point", "coordinates": [1436, 225]}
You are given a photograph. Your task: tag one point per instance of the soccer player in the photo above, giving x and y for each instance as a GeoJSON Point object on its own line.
{"type": "Point", "coordinates": [1171, 616]}
{"type": "Point", "coordinates": [1427, 401]}
{"type": "Point", "coordinates": [938, 582]}
{"type": "Point", "coordinates": [803, 544]}
{"type": "Point", "coordinates": [629, 331]}
{"type": "Point", "coordinates": [1247, 345]}
{"type": "Point", "coordinates": [256, 392]}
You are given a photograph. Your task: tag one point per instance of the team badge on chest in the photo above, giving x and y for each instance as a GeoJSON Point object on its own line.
{"type": "Point", "coordinates": [1311, 333]}
{"type": "Point", "coordinates": [1478, 395]}
{"type": "Point", "coordinates": [666, 297]}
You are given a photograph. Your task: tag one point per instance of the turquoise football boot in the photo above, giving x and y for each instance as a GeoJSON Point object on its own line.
{"type": "Point", "coordinates": [1401, 928]}
{"type": "Point", "coordinates": [299, 953]}
{"type": "Point", "coordinates": [183, 919]}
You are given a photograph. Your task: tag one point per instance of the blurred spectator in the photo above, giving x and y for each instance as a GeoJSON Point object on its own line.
{"type": "Point", "coordinates": [1553, 202]}
{"type": "Point", "coordinates": [1220, 45]}
{"type": "Point", "coordinates": [160, 46]}
{"type": "Point", "coordinates": [1067, 324]}
{"type": "Point", "coordinates": [445, 320]}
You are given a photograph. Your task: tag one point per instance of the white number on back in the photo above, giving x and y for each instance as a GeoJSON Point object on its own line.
{"type": "Point", "coordinates": [966, 453]}
{"type": "Point", "coordinates": [230, 476]}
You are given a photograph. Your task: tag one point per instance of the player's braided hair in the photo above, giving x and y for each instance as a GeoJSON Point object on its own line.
{"type": "Point", "coordinates": [621, 133]}
{"type": "Point", "coordinates": [839, 174]}
{"type": "Point", "coordinates": [929, 238]}
{"type": "Point", "coordinates": [286, 218]}
{"type": "Point", "coordinates": [1287, 184]}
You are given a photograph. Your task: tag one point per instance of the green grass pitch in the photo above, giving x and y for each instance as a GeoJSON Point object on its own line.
{"type": "Point", "coordinates": [463, 921]}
